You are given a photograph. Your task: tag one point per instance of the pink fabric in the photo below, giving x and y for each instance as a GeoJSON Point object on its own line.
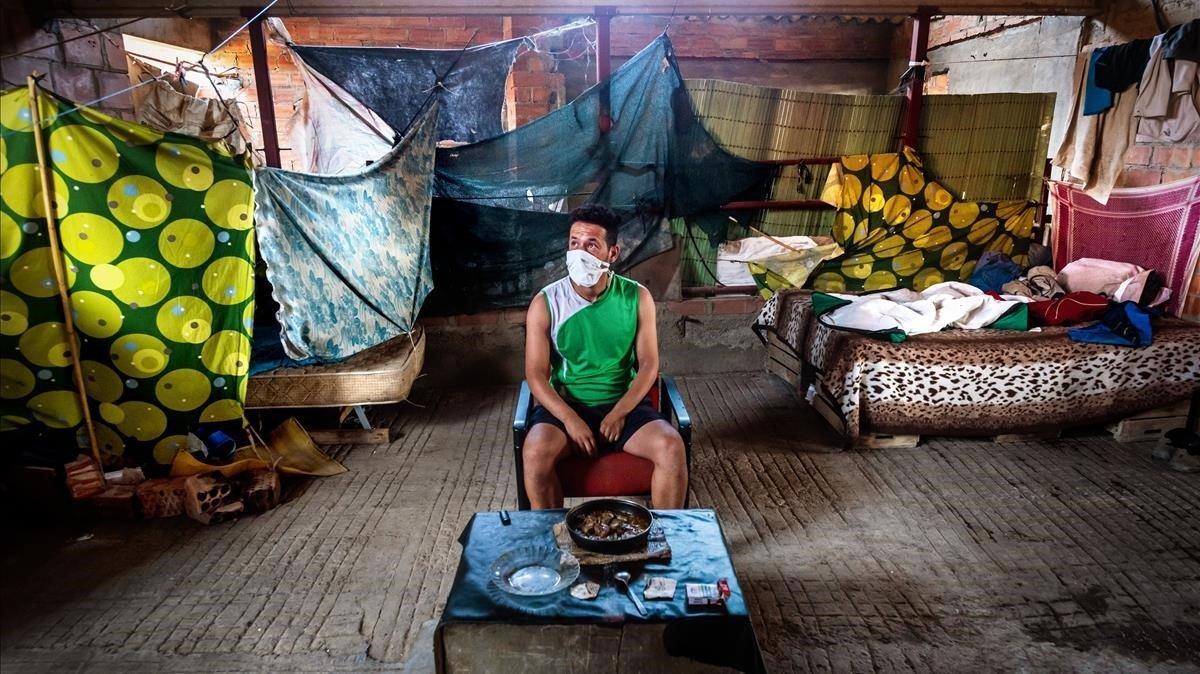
{"type": "Point", "coordinates": [1154, 227]}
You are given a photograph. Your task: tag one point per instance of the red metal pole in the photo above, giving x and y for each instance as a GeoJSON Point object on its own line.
{"type": "Point", "coordinates": [603, 15]}
{"type": "Point", "coordinates": [917, 54]}
{"type": "Point", "coordinates": [262, 83]}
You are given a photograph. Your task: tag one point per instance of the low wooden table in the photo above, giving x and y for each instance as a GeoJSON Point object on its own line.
{"type": "Point", "coordinates": [484, 629]}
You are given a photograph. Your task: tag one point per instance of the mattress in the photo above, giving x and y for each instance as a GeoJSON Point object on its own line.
{"type": "Point", "coordinates": [379, 375]}
{"type": "Point", "coordinates": [982, 382]}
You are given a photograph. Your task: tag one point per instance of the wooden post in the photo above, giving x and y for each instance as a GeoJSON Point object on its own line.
{"type": "Point", "coordinates": [917, 54]}
{"type": "Point", "coordinates": [262, 85]}
{"type": "Point", "coordinates": [60, 274]}
{"type": "Point", "coordinates": [603, 15]}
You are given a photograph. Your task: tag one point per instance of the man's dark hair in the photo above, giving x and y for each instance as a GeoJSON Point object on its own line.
{"type": "Point", "coordinates": [599, 214]}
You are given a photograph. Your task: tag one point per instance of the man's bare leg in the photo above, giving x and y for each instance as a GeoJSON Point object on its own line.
{"type": "Point", "coordinates": [545, 445]}
{"type": "Point", "coordinates": [660, 443]}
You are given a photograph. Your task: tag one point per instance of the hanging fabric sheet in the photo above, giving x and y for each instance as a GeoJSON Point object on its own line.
{"type": "Point", "coordinates": [348, 256]}
{"type": "Point", "coordinates": [1156, 227]}
{"type": "Point", "coordinates": [159, 251]}
{"type": "Point", "coordinates": [901, 229]}
{"type": "Point", "coordinates": [500, 219]}
{"type": "Point", "coordinates": [174, 106]}
{"type": "Point", "coordinates": [332, 133]}
{"type": "Point", "coordinates": [395, 82]}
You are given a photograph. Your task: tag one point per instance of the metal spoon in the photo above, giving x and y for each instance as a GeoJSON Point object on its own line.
{"type": "Point", "coordinates": [624, 578]}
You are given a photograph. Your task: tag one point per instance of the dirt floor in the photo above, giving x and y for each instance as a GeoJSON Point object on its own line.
{"type": "Point", "coordinates": [959, 555]}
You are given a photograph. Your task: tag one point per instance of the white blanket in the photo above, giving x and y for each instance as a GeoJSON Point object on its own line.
{"type": "Point", "coordinates": [949, 304]}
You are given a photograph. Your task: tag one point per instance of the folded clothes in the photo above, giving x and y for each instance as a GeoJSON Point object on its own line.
{"type": "Point", "coordinates": [1070, 309]}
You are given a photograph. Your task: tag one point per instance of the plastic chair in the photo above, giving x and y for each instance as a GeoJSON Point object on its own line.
{"type": "Point", "coordinates": [611, 474]}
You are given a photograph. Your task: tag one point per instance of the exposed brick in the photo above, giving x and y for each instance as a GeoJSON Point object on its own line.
{"type": "Point", "coordinates": [696, 307]}
{"type": "Point", "coordinates": [1134, 177]}
{"type": "Point", "coordinates": [110, 82]}
{"type": "Point", "coordinates": [435, 322]}
{"type": "Point", "coordinates": [483, 318]}
{"type": "Point", "coordinates": [514, 316]}
{"type": "Point", "coordinates": [736, 305]}
{"type": "Point", "coordinates": [85, 51]}
{"type": "Point", "coordinates": [75, 82]}
{"type": "Point", "coordinates": [1172, 175]}
{"type": "Point", "coordinates": [1139, 155]}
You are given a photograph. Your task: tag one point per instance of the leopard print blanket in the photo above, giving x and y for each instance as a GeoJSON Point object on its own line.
{"type": "Point", "coordinates": [982, 382]}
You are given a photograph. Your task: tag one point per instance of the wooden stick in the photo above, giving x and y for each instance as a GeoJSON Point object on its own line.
{"type": "Point", "coordinates": [60, 274]}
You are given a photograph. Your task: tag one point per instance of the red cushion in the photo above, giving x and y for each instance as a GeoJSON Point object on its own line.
{"type": "Point", "coordinates": [613, 474]}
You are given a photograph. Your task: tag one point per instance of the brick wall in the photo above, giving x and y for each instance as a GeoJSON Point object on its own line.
{"type": "Point", "coordinates": [82, 70]}
{"type": "Point", "coordinates": [947, 30]}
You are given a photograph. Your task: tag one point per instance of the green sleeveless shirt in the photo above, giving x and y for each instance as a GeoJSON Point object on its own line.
{"type": "Point", "coordinates": [593, 360]}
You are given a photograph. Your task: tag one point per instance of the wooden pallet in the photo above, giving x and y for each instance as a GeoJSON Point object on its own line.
{"type": "Point", "coordinates": [1151, 424]}
{"type": "Point", "coordinates": [781, 361]}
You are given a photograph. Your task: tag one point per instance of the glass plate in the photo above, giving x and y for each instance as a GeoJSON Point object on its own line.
{"type": "Point", "coordinates": [534, 571]}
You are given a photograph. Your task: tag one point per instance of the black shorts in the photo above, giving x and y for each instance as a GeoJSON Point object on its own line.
{"type": "Point", "coordinates": [592, 415]}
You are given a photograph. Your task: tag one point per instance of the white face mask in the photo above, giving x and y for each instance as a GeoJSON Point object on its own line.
{"type": "Point", "coordinates": [584, 268]}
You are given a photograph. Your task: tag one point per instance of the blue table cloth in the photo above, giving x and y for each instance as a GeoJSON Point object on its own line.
{"type": "Point", "coordinates": [698, 555]}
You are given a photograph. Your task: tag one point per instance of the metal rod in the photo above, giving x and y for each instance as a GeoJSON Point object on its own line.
{"type": "Point", "coordinates": [262, 84]}
{"type": "Point", "coordinates": [913, 97]}
{"type": "Point", "coordinates": [781, 205]}
{"type": "Point", "coordinates": [60, 274]}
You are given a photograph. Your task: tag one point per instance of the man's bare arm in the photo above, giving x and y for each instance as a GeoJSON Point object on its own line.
{"type": "Point", "coordinates": [537, 374]}
{"type": "Point", "coordinates": [646, 345]}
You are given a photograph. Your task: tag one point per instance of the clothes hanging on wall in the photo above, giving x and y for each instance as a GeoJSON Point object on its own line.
{"type": "Point", "coordinates": [1183, 41]}
{"type": "Point", "coordinates": [1096, 99]}
{"type": "Point", "coordinates": [158, 243]}
{"type": "Point", "coordinates": [348, 256]}
{"type": "Point", "coordinates": [1093, 147]}
{"type": "Point", "coordinates": [171, 105]}
{"type": "Point", "coordinates": [1155, 227]}
{"type": "Point", "coordinates": [1120, 66]}
{"type": "Point", "coordinates": [902, 229]}
{"type": "Point", "coordinates": [1168, 102]}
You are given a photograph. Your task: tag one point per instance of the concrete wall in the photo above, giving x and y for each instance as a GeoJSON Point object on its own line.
{"type": "Point", "coordinates": [1029, 57]}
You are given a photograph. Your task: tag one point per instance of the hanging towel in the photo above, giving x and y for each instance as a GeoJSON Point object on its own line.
{"type": "Point", "coordinates": [1155, 227]}
{"type": "Point", "coordinates": [159, 251]}
{"type": "Point", "coordinates": [348, 256]}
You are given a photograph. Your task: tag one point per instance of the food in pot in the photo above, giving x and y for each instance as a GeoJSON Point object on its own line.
{"type": "Point", "coordinates": [611, 525]}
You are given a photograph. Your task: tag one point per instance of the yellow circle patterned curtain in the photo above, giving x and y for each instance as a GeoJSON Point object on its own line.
{"type": "Point", "coordinates": [902, 229]}
{"type": "Point", "coordinates": [156, 232]}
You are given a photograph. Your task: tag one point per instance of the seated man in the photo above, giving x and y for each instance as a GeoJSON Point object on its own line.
{"type": "Point", "coordinates": [591, 357]}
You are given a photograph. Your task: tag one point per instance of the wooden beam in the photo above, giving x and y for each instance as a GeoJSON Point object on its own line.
{"type": "Point", "coordinates": [857, 8]}
{"type": "Point", "coordinates": [603, 15]}
{"type": "Point", "coordinates": [914, 95]}
{"type": "Point", "coordinates": [262, 84]}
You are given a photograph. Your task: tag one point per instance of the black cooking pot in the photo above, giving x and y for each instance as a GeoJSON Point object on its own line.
{"type": "Point", "coordinates": [618, 547]}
